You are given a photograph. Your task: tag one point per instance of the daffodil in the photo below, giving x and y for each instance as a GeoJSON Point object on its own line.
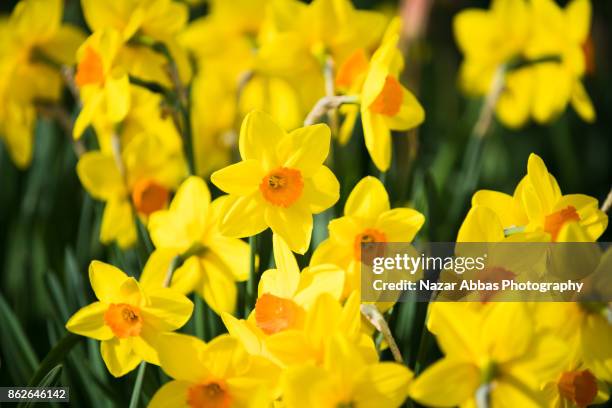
{"type": "Point", "coordinates": [189, 228]}
{"type": "Point", "coordinates": [138, 182]}
{"type": "Point", "coordinates": [34, 43]}
{"type": "Point", "coordinates": [386, 104]}
{"type": "Point", "coordinates": [346, 379]}
{"type": "Point", "coordinates": [368, 217]}
{"type": "Point", "coordinates": [492, 353]}
{"type": "Point", "coordinates": [128, 319]}
{"type": "Point", "coordinates": [280, 182]}
{"type": "Point", "coordinates": [575, 387]}
{"type": "Point", "coordinates": [219, 374]}
{"type": "Point", "coordinates": [289, 303]}
{"type": "Point", "coordinates": [537, 207]}
{"type": "Point", "coordinates": [104, 86]}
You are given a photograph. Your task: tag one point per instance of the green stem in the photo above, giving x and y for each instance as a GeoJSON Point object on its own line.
{"type": "Point", "coordinates": [250, 289]}
{"type": "Point", "coordinates": [199, 316]}
{"type": "Point", "coordinates": [55, 356]}
{"type": "Point", "coordinates": [138, 385]}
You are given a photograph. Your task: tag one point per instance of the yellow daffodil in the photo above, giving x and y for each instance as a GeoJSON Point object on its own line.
{"type": "Point", "coordinates": [385, 104]}
{"type": "Point", "coordinates": [104, 86]}
{"type": "Point", "coordinates": [575, 387]}
{"type": "Point", "coordinates": [34, 43]}
{"type": "Point", "coordinates": [219, 374]}
{"type": "Point", "coordinates": [492, 353]}
{"type": "Point", "coordinates": [346, 379]}
{"type": "Point", "coordinates": [128, 319]}
{"type": "Point", "coordinates": [213, 263]}
{"type": "Point", "coordinates": [282, 307]}
{"type": "Point", "coordinates": [143, 178]}
{"type": "Point", "coordinates": [368, 217]}
{"type": "Point", "coordinates": [537, 206]}
{"type": "Point", "coordinates": [280, 182]}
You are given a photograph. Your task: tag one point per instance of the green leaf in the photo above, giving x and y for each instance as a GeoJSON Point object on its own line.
{"type": "Point", "coordinates": [47, 381]}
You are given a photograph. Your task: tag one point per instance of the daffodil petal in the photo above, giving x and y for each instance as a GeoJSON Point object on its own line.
{"type": "Point", "coordinates": [89, 322]}
{"type": "Point", "coordinates": [186, 365]}
{"type": "Point", "coordinates": [259, 135]}
{"type": "Point", "coordinates": [100, 176]}
{"type": "Point", "coordinates": [322, 190]}
{"type": "Point", "coordinates": [400, 224]}
{"type": "Point", "coordinates": [218, 287]}
{"type": "Point", "coordinates": [377, 139]}
{"type": "Point", "coordinates": [171, 394]}
{"type": "Point", "coordinates": [106, 280]}
{"type": "Point", "coordinates": [167, 309]}
{"type": "Point", "coordinates": [244, 216]}
{"type": "Point", "coordinates": [242, 178]}
{"type": "Point", "coordinates": [293, 224]}
{"type": "Point", "coordinates": [305, 148]}
{"type": "Point", "coordinates": [119, 356]}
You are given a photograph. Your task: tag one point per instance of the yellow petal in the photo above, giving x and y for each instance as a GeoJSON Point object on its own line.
{"type": "Point", "coordinates": [218, 287]}
{"type": "Point", "coordinates": [100, 176]}
{"type": "Point", "coordinates": [319, 279]}
{"type": "Point", "coordinates": [119, 356]}
{"type": "Point", "coordinates": [400, 224]}
{"type": "Point", "coordinates": [455, 336]}
{"type": "Point", "coordinates": [290, 347]}
{"type": "Point", "coordinates": [503, 205]}
{"type": "Point", "coordinates": [242, 178]}
{"type": "Point", "coordinates": [171, 394]}
{"type": "Point", "coordinates": [410, 115]}
{"type": "Point", "coordinates": [321, 191]}
{"type": "Point", "coordinates": [511, 322]}
{"type": "Point", "coordinates": [287, 275]}
{"type": "Point", "coordinates": [91, 105]}
{"type": "Point", "coordinates": [167, 310]}
{"type": "Point", "coordinates": [155, 270]}
{"type": "Point", "coordinates": [459, 384]}
{"type": "Point", "coordinates": [578, 16]}
{"type": "Point", "coordinates": [367, 200]}
{"type": "Point", "coordinates": [224, 355]}
{"type": "Point", "coordinates": [481, 225]}
{"type": "Point", "coordinates": [241, 330]}
{"type": "Point", "coordinates": [259, 135]}
{"type": "Point", "coordinates": [89, 322]}
{"type": "Point", "coordinates": [377, 138]}
{"type": "Point", "coordinates": [233, 253]}
{"type": "Point", "coordinates": [385, 384]}
{"type": "Point", "coordinates": [293, 224]}
{"type": "Point", "coordinates": [514, 104]}
{"type": "Point", "coordinates": [244, 216]}
{"type": "Point", "coordinates": [117, 92]}
{"type": "Point", "coordinates": [552, 89]}
{"type": "Point", "coordinates": [106, 280]}
{"type": "Point", "coordinates": [582, 102]}
{"type": "Point", "coordinates": [305, 148]}
{"type": "Point", "coordinates": [474, 30]}
{"type": "Point", "coordinates": [186, 365]}
{"type": "Point", "coordinates": [18, 132]}
{"type": "Point", "coordinates": [543, 182]}
{"type": "Point", "coordinates": [145, 346]}
{"type": "Point", "coordinates": [63, 45]}
{"type": "Point", "coordinates": [592, 219]}
{"type": "Point", "coordinates": [118, 223]}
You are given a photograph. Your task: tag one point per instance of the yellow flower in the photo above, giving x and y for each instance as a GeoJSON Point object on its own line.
{"type": "Point", "coordinates": [104, 86]}
{"type": "Point", "coordinates": [144, 178]}
{"type": "Point", "coordinates": [346, 379]}
{"type": "Point", "coordinates": [34, 43]}
{"type": "Point", "coordinates": [368, 217]}
{"type": "Point", "coordinates": [537, 207]}
{"type": "Point", "coordinates": [385, 104]}
{"type": "Point", "coordinates": [575, 387]}
{"type": "Point", "coordinates": [215, 375]}
{"type": "Point", "coordinates": [492, 352]}
{"type": "Point", "coordinates": [128, 318]}
{"type": "Point", "coordinates": [290, 303]}
{"type": "Point", "coordinates": [280, 182]}
{"type": "Point", "coordinates": [212, 262]}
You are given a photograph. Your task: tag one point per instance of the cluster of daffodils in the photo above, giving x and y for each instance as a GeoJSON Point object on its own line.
{"type": "Point", "coordinates": [199, 134]}
{"type": "Point", "coordinates": [531, 54]}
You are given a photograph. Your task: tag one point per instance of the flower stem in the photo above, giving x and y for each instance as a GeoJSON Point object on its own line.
{"type": "Point", "coordinates": [138, 385]}
{"type": "Point", "coordinates": [378, 321]}
{"type": "Point", "coordinates": [250, 288]}
{"type": "Point", "coordinates": [199, 316]}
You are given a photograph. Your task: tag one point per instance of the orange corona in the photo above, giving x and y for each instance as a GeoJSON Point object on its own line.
{"type": "Point", "coordinates": [212, 394]}
{"type": "Point", "coordinates": [90, 69]}
{"type": "Point", "coordinates": [554, 221]}
{"type": "Point", "coordinates": [124, 320]}
{"type": "Point", "coordinates": [274, 314]}
{"type": "Point", "coordinates": [389, 100]}
{"type": "Point", "coordinates": [282, 186]}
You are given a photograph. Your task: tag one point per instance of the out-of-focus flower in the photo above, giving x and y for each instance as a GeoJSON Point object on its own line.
{"type": "Point", "coordinates": [368, 217]}
{"type": "Point", "coordinates": [190, 229]}
{"type": "Point", "coordinates": [537, 207]}
{"type": "Point", "coordinates": [492, 352]}
{"type": "Point", "coordinates": [282, 309]}
{"type": "Point", "coordinates": [346, 379]}
{"type": "Point", "coordinates": [143, 177]}
{"type": "Point", "coordinates": [34, 44]}
{"type": "Point", "coordinates": [104, 86]}
{"type": "Point", "coordinates": [575, 387]}
{"type": "Point", "coordinates": [127, 318]}
{"type": "Point", "coordinates": [280, 182]}
{"type": "Point", "coordinates": [219, 374]}
{"type": "Point", "coordinates": [385, 104]}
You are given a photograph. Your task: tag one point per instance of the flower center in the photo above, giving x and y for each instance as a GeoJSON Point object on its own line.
{"type": "Point", "coordinates": [274, 314]}
{"type": "Point", "coordinates": [369, 235]}
{"type": "Point", "coordinates": [579, 387]}
{"type": "Point", "coordinates": [149, 196]}
{"type": "Point", "coordinates": [389, 100]}
{"type": "Point", "coordinates": [282, 187]}
{"type": "Point", "coordinates": [90, 69]}
{"type": "Point", "coordinates": [209, 395]}
{"type": "Point", "coordinates": [351, 69]}
{"type": "Point", "coordinates": [553, 222]}
{"type": "Point", "coordinates": [123, 319]}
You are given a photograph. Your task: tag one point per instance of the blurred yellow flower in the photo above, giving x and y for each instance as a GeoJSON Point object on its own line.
{"type": "Point", "coordinates": [215, 375]}
{"type": "Point", "coordinates": [575, 387]}
{"type": "Point", "coordinates": [537, 207]}
{"type": "Point", "coordinates": [104, 87]}
{"type": "Point", "coordinates": [34, 44]}
{"type": "Point", "coordinates": [492, 353]}
{"type": "Point", "coordinates": [280, 182]}
{"type": "Point", "coordinates": [368, 217]}
{"type": "Point", "coordinates": [143, 178]}
{"type": "Point", "coordinates": [385, 104]}
{"type": "Point", "coordinates": [127, 318]}
{"type": "Point", "coordinates": [346, 379]}
{"type": "Point", "coordinates": [213, 263]}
